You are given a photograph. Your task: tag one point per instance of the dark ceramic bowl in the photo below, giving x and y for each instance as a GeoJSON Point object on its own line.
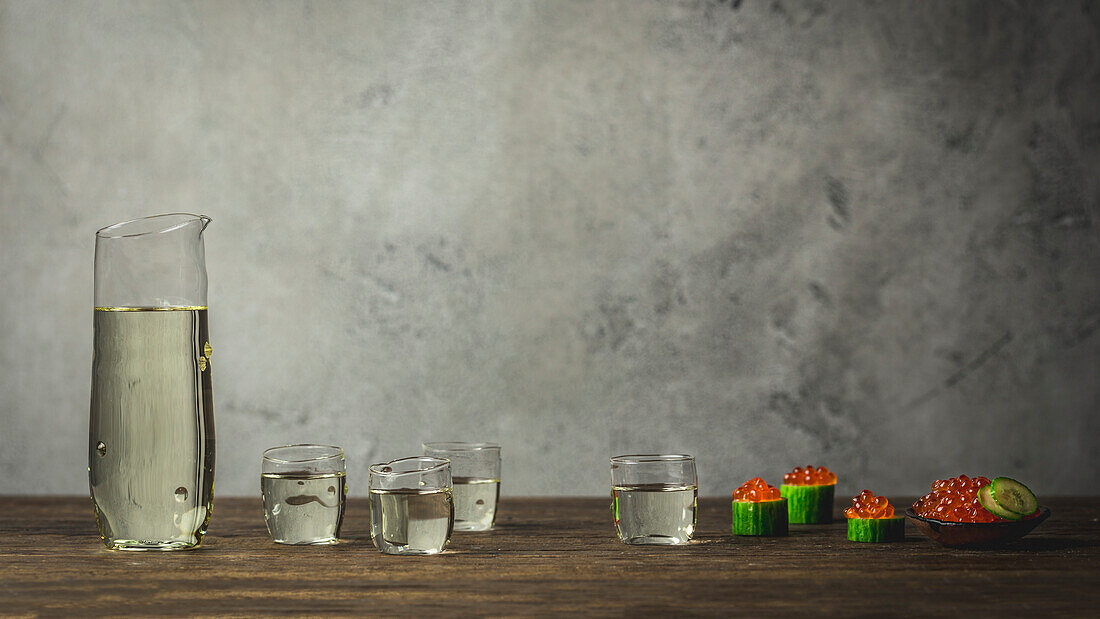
{"type": "Point", "coordinates": [975, 534]}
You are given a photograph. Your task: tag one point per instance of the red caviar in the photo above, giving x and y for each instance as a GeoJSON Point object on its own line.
{"type": "Point", "coordinates": [756, 490]}
{"type": "Point", "coordinates": [810, 476]}
{"type": "Point", "coordinates": [956, 500]}
{"type": "Point", "coordinates": [867, 505]}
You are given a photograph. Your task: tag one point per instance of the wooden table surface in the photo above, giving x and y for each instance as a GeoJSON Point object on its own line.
{"type": "Point", "coordinates": [546, 556]}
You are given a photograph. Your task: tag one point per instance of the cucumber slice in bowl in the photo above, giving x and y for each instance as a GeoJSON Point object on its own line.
{"type": "Point", "coordinates": [986, 497]}
{"type": "Point", "coordinates": [1013, 496]}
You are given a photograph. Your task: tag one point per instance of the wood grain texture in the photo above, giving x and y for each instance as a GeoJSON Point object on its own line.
{"type": "Point", "coordinates": [547, 556]}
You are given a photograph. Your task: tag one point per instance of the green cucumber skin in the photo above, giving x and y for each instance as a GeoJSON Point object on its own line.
{"type": "Point", "coordinates": [876, 530]}
{"type": "Point", "coordinates": [767, 518]}
{"type": "Point", "coordinates": [809, 504]}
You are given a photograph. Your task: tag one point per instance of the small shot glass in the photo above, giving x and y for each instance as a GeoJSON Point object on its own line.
{"type": "Point", "coordinates": [475, 471]}
{"type": "Point", "coordinates": [304, 488]}
{"type": "Point", "coordinates": [653, 498]}
{"type": "Point", "coordinates": [411, 508]}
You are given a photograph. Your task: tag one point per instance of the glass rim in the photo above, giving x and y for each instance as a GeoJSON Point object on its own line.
{"type": "Point", "coordinates": [459, 446]}
{"type": "Point", "coordinates": [106, 232]}
{"type": "Point", "coordinates": [648, 458]}
{"type": "Point", "coordinates": [440, 463]}
{"type": "Point", "coordinates": [335, 452]}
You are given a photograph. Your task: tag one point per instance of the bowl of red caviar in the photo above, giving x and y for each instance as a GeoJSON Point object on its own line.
{"type": "Point", "coordinates": [962, 512]}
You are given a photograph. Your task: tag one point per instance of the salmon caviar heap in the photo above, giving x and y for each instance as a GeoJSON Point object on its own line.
{"type": "Point", "coordinates": [810, 476]}
{"type": "Point", "coordinates": [867, 505]}
{"type": "Point", "coordinates": [756, 490]}
{"type": "Point", "coordinates": [956, 500]}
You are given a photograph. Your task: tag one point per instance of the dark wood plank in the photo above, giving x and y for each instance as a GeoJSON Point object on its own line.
{"type": "Point", "coordinates": [547, 556]}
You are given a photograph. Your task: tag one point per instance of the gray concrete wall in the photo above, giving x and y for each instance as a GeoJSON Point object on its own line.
{"type": "Point", "coordinates": [767, 233]}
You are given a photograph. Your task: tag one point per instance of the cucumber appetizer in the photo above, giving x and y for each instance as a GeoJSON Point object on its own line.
{"type": "Point", "coordinates": [759, 510]}
{"type": "Point", "coordinates": [809, 494]}
{"type": "Point", "coordinates": [871, 519]}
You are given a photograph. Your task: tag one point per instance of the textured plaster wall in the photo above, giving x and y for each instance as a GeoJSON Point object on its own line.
{"type": "Point", "coordinates": [767, 233]}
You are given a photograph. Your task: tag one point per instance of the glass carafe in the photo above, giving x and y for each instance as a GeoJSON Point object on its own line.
{"type": "Point", "coordinates": [151, 439]}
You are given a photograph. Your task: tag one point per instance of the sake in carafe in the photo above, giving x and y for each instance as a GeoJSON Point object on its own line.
{"type": "Point", "coordinates": [151, 438]}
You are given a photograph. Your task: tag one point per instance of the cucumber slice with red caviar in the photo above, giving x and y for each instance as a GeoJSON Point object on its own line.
{"type": "Point", "coordinates": [1013, 496]}
{"type": "Point", "coordinates": [986, 497]}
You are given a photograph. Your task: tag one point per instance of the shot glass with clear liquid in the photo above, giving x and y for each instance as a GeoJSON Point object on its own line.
{"type": "Point", "coordinates": [412, 509]}
{"type": "Point", "coordinates": [475, 472]}
{"type": "Point", "coordinates": [653, 498]}
{"type": "Point", "coordinates": [304, 489]}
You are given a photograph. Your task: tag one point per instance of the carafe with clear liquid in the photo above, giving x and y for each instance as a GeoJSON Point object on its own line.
{"type": "Point", "coordinates": [151, 438]}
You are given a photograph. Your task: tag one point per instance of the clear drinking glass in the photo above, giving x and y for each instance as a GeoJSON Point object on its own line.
{"type": "Point", "coordinates": [653, 498]}
{"type": "Point", "coordinates": [304, 489]}
{"type": "Point", "coordinates": [151, 429]}
{"type": "Point", "coordinates": [475, 471]}
{"type": "Point", "coordinates": [411, 508]}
